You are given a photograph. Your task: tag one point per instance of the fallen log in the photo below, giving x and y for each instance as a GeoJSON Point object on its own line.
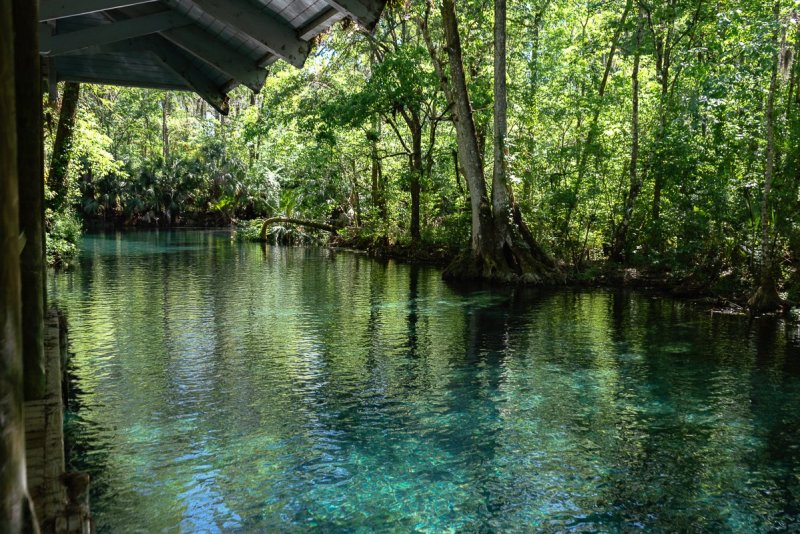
{"type": "Point", "coordinates": [300, 222]}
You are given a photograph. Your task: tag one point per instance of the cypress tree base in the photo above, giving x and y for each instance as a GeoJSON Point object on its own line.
{"type": "Point", "coordinates": [766, 299]}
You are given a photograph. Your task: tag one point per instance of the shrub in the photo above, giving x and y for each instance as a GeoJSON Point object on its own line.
{"type": "Point", "coordinates": [64, 233]}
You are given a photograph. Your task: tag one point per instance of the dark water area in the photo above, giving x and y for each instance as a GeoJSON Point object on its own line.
{"type": "Point", "coordinates": [222, 386]}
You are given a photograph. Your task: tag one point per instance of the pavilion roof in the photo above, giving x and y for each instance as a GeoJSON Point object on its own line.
{"type": "Point", "coordinates": [205, 46]}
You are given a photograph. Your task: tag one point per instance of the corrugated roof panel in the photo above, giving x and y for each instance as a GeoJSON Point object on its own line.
{"type": "Point", "coordinates": [291, 11]}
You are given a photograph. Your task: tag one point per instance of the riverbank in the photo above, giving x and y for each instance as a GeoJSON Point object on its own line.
{"type": "Point", "coordinates": [726, 293]}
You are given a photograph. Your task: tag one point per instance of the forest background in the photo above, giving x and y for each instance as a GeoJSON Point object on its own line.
{"type": "Point", "coordinates": [656, 135]}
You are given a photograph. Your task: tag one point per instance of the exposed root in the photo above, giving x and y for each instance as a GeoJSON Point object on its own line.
{"type": "Point", "coordinates": [506, 264]}
{"type": "Point", "coordinates": [513, 257]}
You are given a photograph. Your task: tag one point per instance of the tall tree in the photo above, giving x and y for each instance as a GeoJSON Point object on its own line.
{"type": "Point", "coordinates": [502, 247]}
{"type": "Point", "coordinates": [669, 23]}
{"type": "Point", "coordinates": [501, 200]}
{"type": "Point", "coordinates": [766, 297]}
{"type": "Point", "coordinates": [59, 163]}
{"type": "Point", "coordinates": [588, 146]}
{"type": "Point", "coordinates": [620, 240]}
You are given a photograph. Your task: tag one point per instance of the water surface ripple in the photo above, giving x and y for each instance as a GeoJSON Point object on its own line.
{"type": "Point", "coordinates": [229, 387]}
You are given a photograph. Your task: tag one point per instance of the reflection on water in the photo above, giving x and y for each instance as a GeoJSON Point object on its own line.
{"type": "Point", "coordinates": [224, 386]}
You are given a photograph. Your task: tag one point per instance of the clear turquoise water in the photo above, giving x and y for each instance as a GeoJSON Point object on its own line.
{"type": "Point", "coordinates": [225, 387]}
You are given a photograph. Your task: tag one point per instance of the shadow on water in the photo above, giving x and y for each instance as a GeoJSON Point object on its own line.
{"type": "Point", "coordinates": [228, 386]}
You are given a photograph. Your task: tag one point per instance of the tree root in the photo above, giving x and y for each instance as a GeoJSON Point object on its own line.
{"type": "Point", "coordinates": [512, 257]}
{"type": "Point", "coordinates": [507, 264]}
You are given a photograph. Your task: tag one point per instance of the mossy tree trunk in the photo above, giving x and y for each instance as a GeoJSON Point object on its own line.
{"type": "Point", "coordinates": [467, 136]}
{"type": "Point", "coordinates": [62, 147]}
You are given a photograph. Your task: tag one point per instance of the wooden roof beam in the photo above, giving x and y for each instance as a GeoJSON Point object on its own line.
{"type": "Point", "coordinates": [59, 9]}
{"type": "Point", "coordinates": [278, 36]}
{"type": "Point", "coordinates": [173, 59]}
{"type": "Point", "coordinates": [118, 77]}
{"type": "Point", "coordinates": [218, 54]}
{"type": "Point", "coordinates": [320, 23]}
{"type": "Point", "coordinates": [54, 45]}
{"type": "Point", "coordinates": [365, 12]}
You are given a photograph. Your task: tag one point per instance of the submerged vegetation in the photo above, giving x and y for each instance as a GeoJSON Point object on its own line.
{"type": "Point", "coordinates": [660, 137]}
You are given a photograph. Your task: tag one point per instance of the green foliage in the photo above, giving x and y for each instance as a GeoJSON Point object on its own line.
{"type": "Point", "coordinates": [280, 234]}
{"type": "Point", "coordinates": [63, 235]}
{"type": "Point", "coordinates": [249, 230]}
{"type": "Point", "coordinates": [277, 234]}
{"type": "Point", "coordinates": [337, 139]}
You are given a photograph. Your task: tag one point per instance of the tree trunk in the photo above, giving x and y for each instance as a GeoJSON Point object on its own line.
{"type": "Point", "coordinates": [457, 172]}
{"type": "Point", "coordinates": [31, 192]}
{"type": "Point", "coordinates": [14, 503]}
{"type": "Point", "coordinates": [621, 236]}
{"type": "Point", "coordinates": [467, 138]}
{"type": "Point", "coordinates": [533, 63]}
{"type": "Point", "coordinates": [165, 127]}
{"type": "Point", "coordinates": [416, 175]}
{"type": "Point", "coordinates": [502, 251]}
{"type": "Point", "coordinates": [62, 147]}
{"type": "Point", "coordinates": [792, 66]}
{"type": "Point", "coordinates": [500, 195]}
{"type": "Point", "coordinates": [658, 183]}
{"type": "Point", "coordinates": [766, 297]}
{"type": "Point", "coordinates": [355, 197]}
{"type": "Point", "coordinates": [665, 37]}
{"type": "Point", "coordinates": [586, 149]}
{"type": "Point", "coordinates": [376, 170]}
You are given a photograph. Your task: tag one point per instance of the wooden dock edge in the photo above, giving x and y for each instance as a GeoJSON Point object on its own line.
{"type": "Point", "coordinates": [60, 499]}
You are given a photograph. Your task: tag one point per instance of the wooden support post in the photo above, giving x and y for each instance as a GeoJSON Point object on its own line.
{"type": "Point", "coordinates": [14, 505]}
{"type": "Point", "coordinates": [31, 192]}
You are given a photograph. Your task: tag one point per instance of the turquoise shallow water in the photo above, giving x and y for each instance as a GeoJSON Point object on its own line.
{"type": "Point", "coordinates": [229, 387]}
